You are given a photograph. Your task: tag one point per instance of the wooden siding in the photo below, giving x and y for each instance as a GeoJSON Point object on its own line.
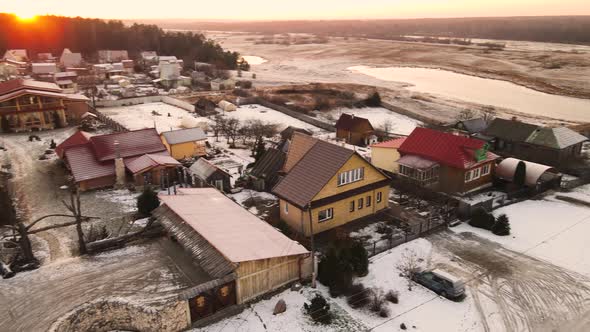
{"type": "Point", "coordinates": [103, 182]}
{"type": "Point", "coordinates": [185, 150]}
{"type": "Point", "coordinates": [452, 180]}
{"type": "Point", "coordinates": [256, 278]}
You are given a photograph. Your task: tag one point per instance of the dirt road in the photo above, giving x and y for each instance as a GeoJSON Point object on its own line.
{"type": "Point", "coordinates": [527, 293]}
{"type": "Point", "coordinates": [32, 301]}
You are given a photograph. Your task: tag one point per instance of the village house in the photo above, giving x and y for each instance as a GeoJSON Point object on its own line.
{"type": "Point", "coordinates": [446, 162]}
{"type": "Point", "coordinates": [149, 58]}
{"type": "Point", "coordinates": [8, 70]}
{"type": "Point", "coordinates": [67, 81]}
{"type": "Point", "coordinates": [549, 146]}
{"type": "Point", "coordinates": [221, 84]}
{"type": "Point", "coordinates": [266, 172]}
{"type": "Point", "coordinates": [355, 130]}
{"type": "Point", "coordinates": [27, 105]}
{"type": "Point", "coordinates": [245, 257]}
{"type": "Point", "coordinates": [385, 155]}
{"type": "Point", "coordinates": [185, 143]}
{"type": "Point", "coordinates": [69, 59]}
{"type": "Point", "coordinates": [108, 160]}
{"type": "Point", "coordinates": [327, 186]}
{"type": "Point", "coordinates": [206, 174]}
{"type": "Point", "coordinates": [16, 55]}
{"type": "Point", "coordinates": [471, 127]}
{"type": "Point", "coordinates": [110, 56]}
{"type": "Point", "coordinates": [44, 70]}
{"type": "Point", "coordinates": [46, 57]}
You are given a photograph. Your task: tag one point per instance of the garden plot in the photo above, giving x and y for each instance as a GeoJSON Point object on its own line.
{"type": "Point", "coordinates": [400, 124]}
{"type": "Point", "coordinates": [259, 112]}
{"type": "Point", "coordinates": [549, 229]}
{"type": "Point", "coordinates": [163, 116]}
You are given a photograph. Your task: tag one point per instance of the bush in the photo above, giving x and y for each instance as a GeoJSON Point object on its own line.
{"type": "Point", "coordinates": [147, 201]}
{"type": "Point", "coordinates": [384, 312]}
{"type": "Point", "coordinates": [377, 302]}
{"type": "Point", "coordinates": [374, 100]}
{"type": "Point", "coordinates": [502, 226]}
{"type": "Point", "coordinates": [344, 260]}
{"type": "Point", "coordinates": [359, 296]}
{"type": "Point", "coordinates": [482, 219]}
{"type": "Point", "coordinates": [319, 310]}
{"type": "Point", "coordinates": [392, 296]}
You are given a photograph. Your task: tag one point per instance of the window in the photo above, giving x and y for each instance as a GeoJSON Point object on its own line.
{"type": "Point", "coordinates": [468, 176]}
{"type": "Point", "coordinates": [286, 208]}
{"type": "Point", "coordinates": [485, 170]}
{"type": "Point", "coordinates": [379, 197]}
{"type": "Point", "coordinates": [351, 176]}
{"type": "Point", "coordinates": [351, 206]}
{"type": "Point", "coordinates": [475, 174]}
{"type": "Point", "coordinates": [368, 201]}
{"type": "Point", "coordinates": [326, 214]}
{"type": "Point", "coordinates": [361, 203]}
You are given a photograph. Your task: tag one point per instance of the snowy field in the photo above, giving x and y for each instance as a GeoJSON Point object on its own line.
{"type": "Point", "coordinates": [549, 229]}
{"type": "Point", "coordinates": [401, 124]}
{"type": "Point", "coordinates": [259, 112]}
{"type": "Point", "coordinates": [419, 309]}
{"type": "Point", "coordinates": [140, 116]}
{"type": "Point", "coordinates": [254, 60]}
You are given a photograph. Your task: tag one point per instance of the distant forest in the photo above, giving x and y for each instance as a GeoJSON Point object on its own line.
{"type": "Point", "coordinates": [559, 29]}
{"type": "Point", "coordinates": [54, 33]}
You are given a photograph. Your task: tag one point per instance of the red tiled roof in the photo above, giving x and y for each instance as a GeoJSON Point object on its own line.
{"type": "Point", "coordinates": [20, 83]}
{"type": "Point", "coordinates": [391, 144]}
{"type": "Point", "coordinates": [131, 143]}
{"type": "Point", "coordinates": [445, 148]}
{"type": "Point", "coordinates": [79, 138]}
{"type": "Point", "coordinates": [351, 122]}
{"type": "Point", "coordinates": [84, 166]}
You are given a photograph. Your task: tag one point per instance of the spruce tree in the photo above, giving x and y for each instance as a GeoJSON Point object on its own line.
{"type": "Point", "coordinates": [502, 226]}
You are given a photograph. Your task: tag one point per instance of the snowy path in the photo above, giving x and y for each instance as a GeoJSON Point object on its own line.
{"type": "Point", "coordinates": [32, 301]}
{"type": "Point", "coordinates": [513, 291]}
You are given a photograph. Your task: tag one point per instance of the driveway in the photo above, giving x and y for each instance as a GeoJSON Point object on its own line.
{"type": "Point", "coordinates": [528, 294]}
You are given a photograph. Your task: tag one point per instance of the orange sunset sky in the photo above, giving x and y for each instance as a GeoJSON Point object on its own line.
{"type": "Point", "coordinates": [299, 9]}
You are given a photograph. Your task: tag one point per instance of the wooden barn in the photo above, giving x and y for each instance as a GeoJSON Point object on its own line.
{"type": "Point", "coordinates": [246, 255]}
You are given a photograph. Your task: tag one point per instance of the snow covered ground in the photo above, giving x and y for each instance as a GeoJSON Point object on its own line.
{"type": "Point", "coordinates": [259, 112]}
{"type": "Point", "coordinates": [549, 229]}
{"type": "Point", "coordinates": [400, 124]}
{"type": "Point", "coordinates": [256, 202]}
{"type": "Point", "coordinates": [419, 309]}
{"type": "Point", "coordinates": [140, 116]}
{"type": "Point", "coordinates": [254, 60]}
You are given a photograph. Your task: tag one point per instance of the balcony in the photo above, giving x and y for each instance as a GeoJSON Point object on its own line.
{"type": "Point", "coordinates": [31, 107]}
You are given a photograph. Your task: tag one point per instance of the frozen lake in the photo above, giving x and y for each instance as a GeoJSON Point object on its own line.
{"type": "Point", "coordinates": [259, 112]}
{"type": "Point", "coordinates": [483, 91]}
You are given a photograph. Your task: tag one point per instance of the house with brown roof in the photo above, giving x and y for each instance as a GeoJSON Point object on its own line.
{"type": "Point", "coordinates": [206, 174]}
{"type": "Point", "coordinates": [446, 162]}
{"type": "Point", "coordinates": [385, 154]}
{"type": "Point", "coordinates": [354, 130]}
{"type": "Point", "coordinates": [27, 105]}
{"type": "Point", "coordinates": [137, 157]}
{"type": "Point", "coordinates": [327, 186]}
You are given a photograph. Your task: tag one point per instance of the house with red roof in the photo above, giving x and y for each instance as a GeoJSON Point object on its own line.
{"type": "Point", "coordinates": [137, 157]}
{"type": "Point", "coordinates": [384, 155]}
{"type": "Point", "coordinates": [27, 105]}
{"type": "Point", "coordinates": [446, 162]}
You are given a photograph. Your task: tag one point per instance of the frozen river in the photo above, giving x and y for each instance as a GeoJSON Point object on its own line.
{"type": "Point", "coordinates": [483, 91]}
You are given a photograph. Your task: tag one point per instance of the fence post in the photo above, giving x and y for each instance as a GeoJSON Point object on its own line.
{"type": "Point", "coordinates": [420, 232]}
{"type": "Point", "coordinates": [374, 248]}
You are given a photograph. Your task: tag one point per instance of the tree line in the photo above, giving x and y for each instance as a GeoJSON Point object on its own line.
{"type": "Point", "coordinates": [561, 29]}
{"type": "Point", "coordinates": [87, 36]}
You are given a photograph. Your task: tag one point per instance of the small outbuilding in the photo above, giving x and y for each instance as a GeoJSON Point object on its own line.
{"type": "Point", "coordinates": [185, 143]}
{"type": "Point", "coordinates": [205, 173]}
{"type": "Point", "coordinates": [535, 174]}
{"type": "Point", "coordinates": [226, 106]}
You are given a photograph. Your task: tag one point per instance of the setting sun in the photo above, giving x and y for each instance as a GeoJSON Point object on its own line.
{"type": "Point", "coordinates": [25, 17]}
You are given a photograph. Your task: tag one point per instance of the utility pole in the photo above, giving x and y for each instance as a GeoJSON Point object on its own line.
{"type": "Point", "coordinates": [313, 263]}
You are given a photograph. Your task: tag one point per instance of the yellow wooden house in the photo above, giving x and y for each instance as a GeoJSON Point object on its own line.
{"type": "Point", "coordinates": [329, 185]}
{"type": "Point", "coordinates": [385, 155]}
{"type": "Point", "coordinates": [185, 143]}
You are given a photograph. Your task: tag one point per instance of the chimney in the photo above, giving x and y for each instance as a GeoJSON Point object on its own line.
{"type": "Point", "coordinates": [119, 167]}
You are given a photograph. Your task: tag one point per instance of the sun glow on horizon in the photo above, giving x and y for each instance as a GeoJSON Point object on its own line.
{"type": "Point", "coordinates": [26, 16]}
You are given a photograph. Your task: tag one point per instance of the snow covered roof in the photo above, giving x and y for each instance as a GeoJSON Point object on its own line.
{"type": "Point", "coordinates": [147, 161]}
{"type": "Point", "coordinates": [204, 169]}
{"type": "Point", "coordinates": [556, 138]}
{"type": "Point", "coordinates": [233, 231]}
{"type": "Point", "coordinates": [184, 135]}
{"type": "Point", "coordinates": [507, 169]}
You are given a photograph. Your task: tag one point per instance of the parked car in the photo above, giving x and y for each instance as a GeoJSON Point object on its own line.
{"type": "Point", "coordinates": [442, 283]}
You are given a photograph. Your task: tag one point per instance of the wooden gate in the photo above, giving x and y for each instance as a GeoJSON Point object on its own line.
{"type": "Point", "coordinates": [212, 300]}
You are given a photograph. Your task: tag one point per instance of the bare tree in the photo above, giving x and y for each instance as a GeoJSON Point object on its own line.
{"type": "Point", "coordinates": [387, 126]}
{"type": "Point", "coordinates": [218, 126]}
{"type": "Point", "coordinates": [231, 130]}
{"type": "Point", "coordinates": [408, 265]}
{"type": "Point", "coordinates": [488, 114]}
{"type": "Point", "coordinates": [466, 114]}
{"type": "Point", "coordinates": [76, 209]}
